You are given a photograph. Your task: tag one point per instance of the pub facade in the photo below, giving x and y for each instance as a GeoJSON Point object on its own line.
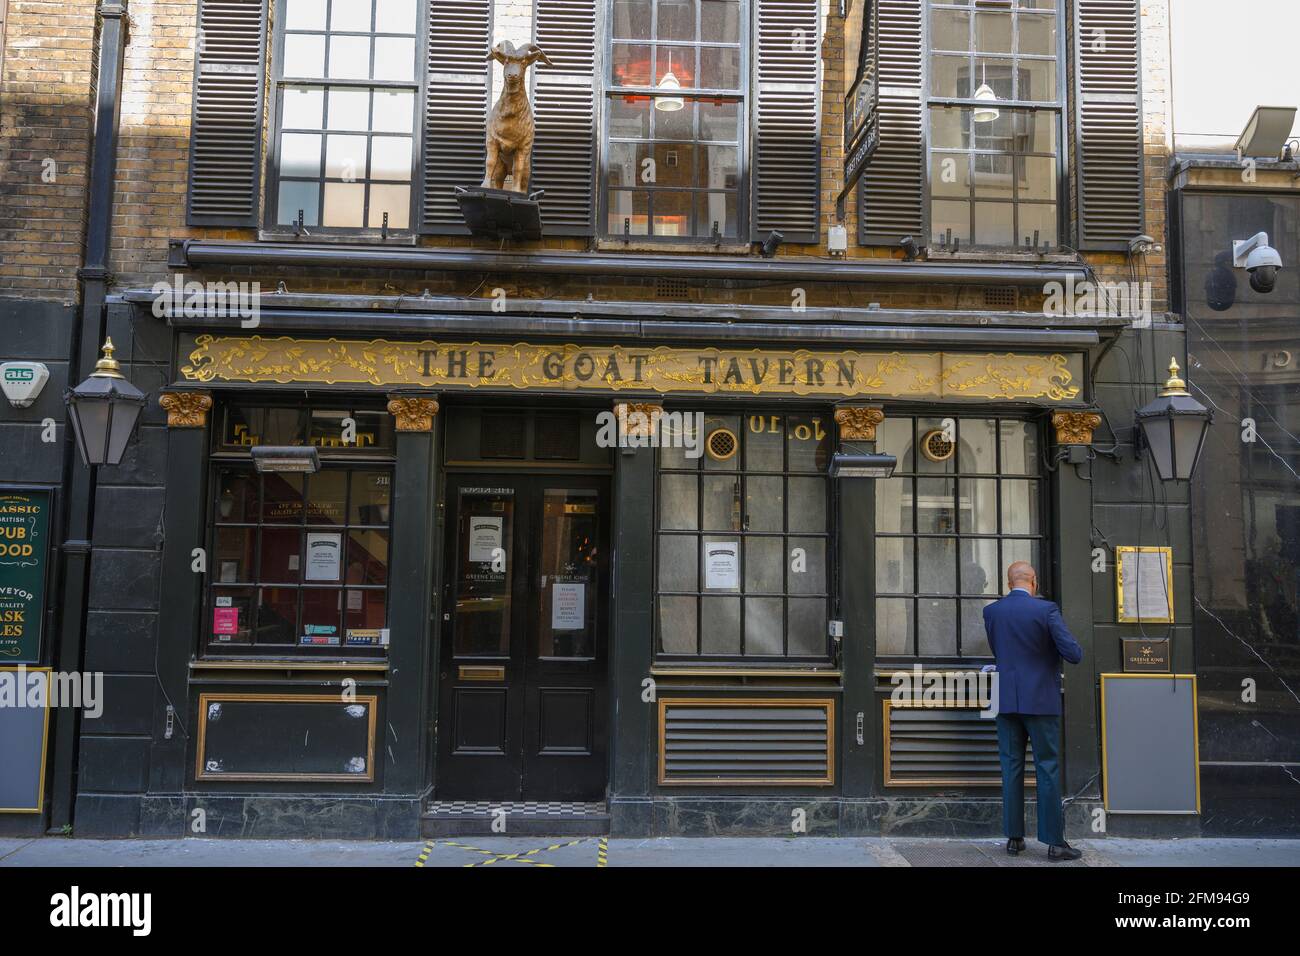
{"type": "Point", "coordinates": [429, 524]}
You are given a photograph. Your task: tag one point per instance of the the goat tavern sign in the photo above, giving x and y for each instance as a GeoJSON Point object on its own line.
{"type": "Point", "coordinates": [591, 368]}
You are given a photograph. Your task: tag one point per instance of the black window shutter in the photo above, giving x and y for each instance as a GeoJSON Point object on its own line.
{"type": "Point", "coordinates": [455, 109]}
{"type": "Point", "coordinates": [564, 111]}
{"type": "Point", "coordinates": [226, 122]}
{"type": "Point", "coordinates": [1108, 122]}
{"type": "Point", "coordinates": [786, 180]}
{"type": "Point", "coordinates": [892, 192]}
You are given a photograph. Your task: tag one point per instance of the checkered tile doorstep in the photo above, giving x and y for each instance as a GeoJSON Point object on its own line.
{"type": "Point", "coordinates": [553, 808]}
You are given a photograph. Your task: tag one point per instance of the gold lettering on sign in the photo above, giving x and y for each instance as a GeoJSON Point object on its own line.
{"type": "Point", "coordinates": [581, 368]}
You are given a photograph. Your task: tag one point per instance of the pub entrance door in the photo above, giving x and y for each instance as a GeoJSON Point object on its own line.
{"type": "Point", "coordinates": [525, 615]}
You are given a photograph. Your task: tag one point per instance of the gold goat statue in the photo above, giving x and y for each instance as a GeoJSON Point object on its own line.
{"type": "Point", "coordinates": [510, 125]}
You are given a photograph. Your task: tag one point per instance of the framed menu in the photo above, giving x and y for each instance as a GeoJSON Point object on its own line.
{"type": "Point", "coordinates": [1144, 585]}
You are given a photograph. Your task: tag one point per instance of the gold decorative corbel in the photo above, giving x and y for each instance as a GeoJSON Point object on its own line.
{"type": "Point", "coordinates": [413, 414]}
{"type": "Point", "coordinates": [1075, 427]}
{"type": "Point", "coordinates": [186, 409]}
{"type": "Point", "coordinates": [858, 422]}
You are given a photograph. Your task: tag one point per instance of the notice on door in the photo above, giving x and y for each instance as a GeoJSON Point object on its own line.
{"type": "Point", "coordinates": [24, 547]}
{"type": "Point", "coordinates": [324, 557]}
{"type": "Point", "coordinates": [721, 565]}
{"type": "Point", "coordinates": [568, 606]}
{"type": "Point", "coordinates": [484, 538]}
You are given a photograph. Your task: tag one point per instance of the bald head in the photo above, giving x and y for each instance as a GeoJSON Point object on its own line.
{"type": "Point", "coordinates": [1021, 574]}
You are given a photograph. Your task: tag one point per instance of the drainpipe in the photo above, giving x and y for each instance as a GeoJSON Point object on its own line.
{"type": "Point", "coordinates": [78, 479]}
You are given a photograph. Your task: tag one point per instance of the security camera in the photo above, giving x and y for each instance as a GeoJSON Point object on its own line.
{"type": "Point", "coordinates": [1258, 258]}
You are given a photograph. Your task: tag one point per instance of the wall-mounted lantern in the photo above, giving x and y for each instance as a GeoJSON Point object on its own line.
{"type": "Point", "coordinates": [103, 411]}
{"type": "Point", "coordinates": [1173, 427]}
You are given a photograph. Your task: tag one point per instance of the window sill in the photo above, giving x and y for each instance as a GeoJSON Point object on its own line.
{"type": "Point", "coordinates": [359, 238]}
{"type": "Point", "coordinates": [282, 664]}
{"type": "Point", "coordinates": [732, 247]}
{"type": "Point", "coordinates": [680, 670]}
{"type": "Point", "coordinates": [1000, 256]}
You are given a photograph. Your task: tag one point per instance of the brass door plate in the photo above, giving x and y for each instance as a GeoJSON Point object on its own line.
{"type": "Point", "coordinates": [481, 672]}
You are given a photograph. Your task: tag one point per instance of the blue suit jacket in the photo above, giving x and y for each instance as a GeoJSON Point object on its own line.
{"type": "Point", "coordinates": [1029, 638]}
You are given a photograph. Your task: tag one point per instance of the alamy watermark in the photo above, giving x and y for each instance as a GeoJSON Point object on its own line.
{"type": "Point", "coordinates": [919, 687]}
{"type": "Point", "coordinates": [633, 428]}
{"type": "Point", "coordinates": [1089, 299]}
{"type": "Point", "coordinates": [38, 689]}
{"type": "Point", "coordinates": [193, 299]}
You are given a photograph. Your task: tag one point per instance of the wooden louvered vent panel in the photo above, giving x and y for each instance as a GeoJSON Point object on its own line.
{"type": "Point", "coordinates": [226, 120]}
{"type": "Point", "coordinates": [1108, 121]}
{"type": "Point", "coordinates": [770, 742]}
{"type": "Point", "coordinates": [942, 746]}
{"type": "Point", "coordinates": [891, 193]}
{"type": "Point", "coordinates": [455, 108]}
{"type": "Point", "coordinates": [564, 109]}
{"type": "Point", "coordinates": [787, 127]}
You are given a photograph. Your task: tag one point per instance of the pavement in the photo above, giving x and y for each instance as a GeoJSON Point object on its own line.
{"type": "Point", "coordinates": [665, 851]}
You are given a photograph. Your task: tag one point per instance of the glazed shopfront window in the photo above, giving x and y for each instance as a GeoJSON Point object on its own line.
{"type": "Point", "coordinates": [298, 564]}
{"type": "Point", "coordinates": [676, 120]}
{"type": "Point", "coordinates": [965, 502]}
{"type": "Point", "coordinates": [743, 540]}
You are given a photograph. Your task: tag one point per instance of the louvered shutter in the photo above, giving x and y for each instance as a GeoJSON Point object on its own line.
{"type": "Point", "coordinates": [455, 108]}
{"type": "Point", "coordinates": [787, 121]}
{"type": "Point", "coordinates": [1108, 122]}
{"type": "Point", "coordinates": [892, 196]}
{"type": "Point", "coordinates": [564, 111]}
{"type": "Point", "coordinates": [226, 121]}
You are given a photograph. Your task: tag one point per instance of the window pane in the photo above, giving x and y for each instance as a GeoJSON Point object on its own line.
{"type": "Point", "coordinates": [1019, 448]}
{"type": "Point", "coordinates": [764, 443]}
{"type": "Point", "coordinates": [764, 565]}
{"type": "Point", "coordinates": [950, 30]}
{"type": "Point", "coordinates": [394, 200]}
{"type": "Point", "coordinates": [946, 216]}
{"type": "Point", "coordinates": [936, 627]}
{"type": "Point", "coordinates": [1019, 507]}
{"type": "Point", "coordinates": [320, 617]}
{"type": "Point", "coordinates": [994, 224]}
{"type": "Point", "coordinates": [1037, 34]}
{"type": "Point", "coordinates": [808, 443]}
{"type": "Point", "coordinates": [1040, 218]}
{"type": "Point", "coordinates": [629, 212]}
{"type": "Point", "coordinates": [363, 610]}
{"type": "Point", "coordinates": [367, 558]}
{"type": "Point", "coordinates": [280, 556]}
{"type": "Point", "coordinates": [232, 620]}
{"type": "Point", "coordinates": [937, 565]}
{"type": "Point", "coordinates": [720, 68]}
{"type": "Point", "coordinates": [350, 15]}
{"type": "Point", "coordinates": [893, 626]}
{"type": "Point", "coordinates": [395, 16]}
{"type": "Point", "coordinates": [765, 504]}
{"type": "Point", "coordinates": [977, 451]}
{"type": "Point", "coordinates": [349, 56]}
{"type": "Point", "coordinates": [672, 214]}
{"type": "Point", "coordinates": [1020, 549]}
{"type": "Point", "coordinates": [807, 626]}
{"type": "Point", "coordinates": [673, 165]}
{"type": "Point", "coordinates": [629, 116]}
{"type": "Point", "coordinates": [349, 109]}
{"type": "Point", "coordinates": [720, 21]}
{"type": "Point", "coordinates": [974, 639]}
{"type": "Point", "coordinates": [343, 204]}
{"type": "Point", "coordinates": [277, 616]}
{"type": "Point", "coordinates": [304, 15]}
{"type": "Point", "coordinates": [894, 436]}
{"type": "Point", "coordinates": [299, 154]}
{"type": "Point", "coordinates": [678, 502]}
{"type": "Point", "coordinates": [390, 157]}
{"type": "Point", "coordinates": [720, 625]}
{"type": "Point", "coordinates": [934, 506]}
{"type": "Point", "coordinates": [370, 497]}
{"type": "Point", "coordinates": [631, 64]}
{"type": "Point", "coordinates": [393, 111]}
{"type": "Point", "coordinates": [1037, 80]}
{"type": "Point", "coordinates": [304, 55]}
{"type": "Point", "coordinates": [234, 555]}
{"type": "Point", "coordinates": [677, 625]}
{"type": "Point", "coordinates": [979, 566]}
{"type": "Point", "coordinates": [394, 58]}
{"type": "Point", "coordinates": [894, 504]}
{"type": "Point", "coordinates": [720, 121]}
{"type": "Point", "coordinates": [326, 494]}
{"type": "Point", "coordinates": [722, 511]}
{"type": "Point", "coordinates": [716, 209]}
{"type": "Point", "coordinates": [992, 177]}
{"type": "Point", "coordinates": [809, 554]}
{"type": "Point", "coordinates": [678, 557]}
{"type": "Point", "coordinates": [295, 197]}
{"type": "Point", "coordinates": [807, 507]}
{"type": "Point", "coordinates": [979, 506]}
{"type": "Point", "coordinates": [345, 157]}
{"type": "Point", "coordinates": [282, 498]}
{"type": "Point", "coordinates": [950, 174]}
{"type": "Point", "coordinates": [676, 20]}
{"type": "Point", "coordinates": [764, 628]}
{"type": "Point", "coordinates": [949, 127]}
{"type": "Point", "coordinates": [675, 124]}
{"type": "Point", "coordinates": [1036, 177]}
{"type": "Point", "coordinates": [732, 424]}
{"type": "Point", "coordinates": [304, 107]}
{"type": "Point", "coordinates": [631, 19]}
{"type": "Point", "coordinates": [1036, 131]}
{"type": "Point", "coordinates": [993, 32]}
{"type": "Point", "coordinates": [719, 167]}
{"type": "Point", "coordinates": [950, 76]}
{"type": "Point", "coordinates": [894, 565]}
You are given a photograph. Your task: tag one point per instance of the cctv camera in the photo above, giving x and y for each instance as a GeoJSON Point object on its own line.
{"type": "Point", "coordinates": [1258, 258]}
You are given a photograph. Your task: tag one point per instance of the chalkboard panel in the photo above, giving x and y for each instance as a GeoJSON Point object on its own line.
{"type": "Point", "coordinates": [299, 737]}
{"type": "Point", "coordinates": [23, 730]}
{"type": "Point", "coordinates": [1149, 745]}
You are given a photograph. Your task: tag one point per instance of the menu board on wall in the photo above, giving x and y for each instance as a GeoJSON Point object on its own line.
{"type": "Point", "coordinates": [24, 554]}
{"type": "Point", "coordinates": [1145, 585]}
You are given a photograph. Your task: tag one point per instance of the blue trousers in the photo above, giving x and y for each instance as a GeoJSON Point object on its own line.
{"type": "Point", "coordinates": [1044, 733]}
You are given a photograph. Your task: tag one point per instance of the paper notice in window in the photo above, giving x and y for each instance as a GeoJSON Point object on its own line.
{"type": "Point", "coordinates": [324, 557]}
{"type": "Point", "coordinates": [484, 538]}
{"type": "Point", "coordinates": [568, 606]}
{"type": "Point", "coordinates": [225, 620]}
{"type": "Point", "coordinates": [721, 565]}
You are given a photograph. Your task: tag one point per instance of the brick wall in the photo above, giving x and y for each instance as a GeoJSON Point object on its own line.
{"type": "Point", "coordinates": [46, 76]}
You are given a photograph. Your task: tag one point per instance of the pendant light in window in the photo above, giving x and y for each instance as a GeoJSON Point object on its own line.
{"type": "Point", "coordinates": [669, 104]}
{"type": "Point", "coordinates": [986, 112]}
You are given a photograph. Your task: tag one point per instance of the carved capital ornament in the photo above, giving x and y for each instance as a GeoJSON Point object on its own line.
{"type": "Point", "coordinates": [858, 422]}
{"type": "Point", "coordinates": [1075, 427]}
{"type": "Point", "coordinates": [637, 419]}
{"type": "Point", "coordinates": [186, 409]}
{"type": "Point", "coordinates": [413, 414]}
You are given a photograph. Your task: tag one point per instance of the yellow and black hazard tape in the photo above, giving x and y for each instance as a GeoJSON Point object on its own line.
{"type": "Point", "coordinates": [602, 852]}
{"type": "Point", "coordinates": [424, 854]}
{"type": "Point", "coordinates": [494, 856]}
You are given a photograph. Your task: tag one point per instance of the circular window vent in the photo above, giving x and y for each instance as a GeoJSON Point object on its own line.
{"type": "Point", "coordinates": [936, 447]}
{"type": "Point", "coordinates": [722, 444]}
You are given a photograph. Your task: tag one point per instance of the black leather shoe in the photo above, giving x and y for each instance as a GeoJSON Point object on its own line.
{"type": "Point", "coordinates": [1015, 845]}
{"type": "Point", "coordinates": [1063, 852]}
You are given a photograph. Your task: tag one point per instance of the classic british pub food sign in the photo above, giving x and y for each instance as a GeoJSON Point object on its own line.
{"type": "Point", "coordinates": [24, 550]}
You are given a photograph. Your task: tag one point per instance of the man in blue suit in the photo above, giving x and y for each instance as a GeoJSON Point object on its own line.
{"type": "Point", "coordinates": [1029, 639]}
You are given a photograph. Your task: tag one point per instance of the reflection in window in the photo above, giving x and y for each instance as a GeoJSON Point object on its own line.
{"type": "Point", "coordinates": [995, 115]}
{"type": "Point", "coordinates": [964, 502]}
{"type": "Point", "coordinates": [675, 118]}
{"type": "Point", "coordinates": [346, 89]}
{"type": "Point", "coordinates": [743, 546]}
